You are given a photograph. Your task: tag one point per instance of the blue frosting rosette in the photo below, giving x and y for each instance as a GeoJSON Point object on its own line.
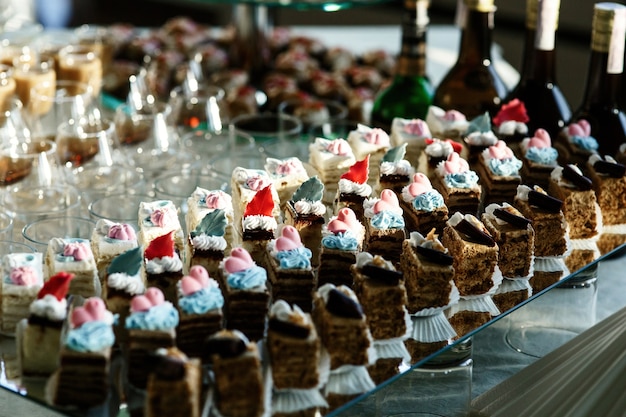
{"type": "Point", "coordinates": [429, 201]}
{"type": "Point", "coordinates": [342, 241]}
{"type": "Point", "coordinates": [505, 167]}
{"type": "Point", "coordinates": [248, 278]}
{"type": "Point", "coordinates": [91, 336]}
{"type": "Point", "coordinates": [298, 258]}
{"type": "Point", "coordinates": [543, 156]}
{"type": "Point", "coordinates": [160, 317]}
{"type": "Point", "coordinates": [587, 143]}
{"type": "Point", "coordinates": [201, 301]}
{"type": "Point", "coordinates": [387, 220]}
{"type": "Point", "coordinates": [467, 179]}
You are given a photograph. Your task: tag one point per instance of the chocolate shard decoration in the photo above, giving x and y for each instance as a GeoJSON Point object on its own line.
{"type": "Point", "coordinates": [434, 255]}
{"type": "Point", "coordinates": [474, 234]}
{"type": "Point", "coordinates": [169, 368]}
{"type": "Point", "coordinates": [387, 276]}
{"type": "Point", "coordinates": [341, 305]}
{"type": "Point", "coordinates": [613, 170]}
{"type": "Point", "coordinates": [544, 201]}
{"type": "Point", "coordinates": [583, 183]}
{"type": "Point", "coordinates": [515, 220]}
{"type": "Point", "coordinates": [225, 346]}
{"type": "Point", "coordinates": [289, 328]}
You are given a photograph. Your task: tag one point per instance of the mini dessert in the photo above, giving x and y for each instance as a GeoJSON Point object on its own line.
{"type": "Point", "coordinates": [609, 183]}
{"type": "Point", "coordinates": [510, 124]}
{"type": "Point", "coordinates": [309, 109]}
{"type": "Point", "coordinates": [423, 206]}
{"type": "Point", "coordinates": [546, 215]}
{"type": "Point", "coordinates": [376, 279]}
{"type": "Point", "coordinates": [478, 137]}
{"type": "Point", "coordinates": [157, 218]}
{"type": "Point", "coordinates": [278, 87]}
{"type": "Point", "coordinates": [575, 144]}
{"type": "Point", "coordinates": [200, 304]}
{"type": "Point", "coordinates": [291, 277]}
{"type": "Point", "coordinates": [296, 62]}
{"type": "Point", "coordinates": [363, 76]}
{"type": "Point", "coordinates": [437, 151]}
{"type": "Point", "coordinates": [547, 271]}
{"type": "Point", "coordinates": [305, 211]}
{"type": "Point", "coordinates": [164, 268]}
{"type": "Point", "coordinates": [328, 85]}
{"type": "Point", "coordinates": [342, 326]}
{"type": "Point", "coordinates": [151, 325]}
{"type": "Point", "coordinates": [470, 314]}
{"type": "Point", "coordinates": [342, 240]}
{"type": "Point", "coordinates": [582, 214]}
{"type": "Point", "coordinates": [85, 358]}
{"type": "Point", "coordinates": [353, 188]}
{"type": "Point", "coordinates": [74, 256]}
{"type": "Point", "coordinates": [359, 101]}
{"type": "Point", "coordinates": [38, 338]}
{"type": "Point", "coordinates": [22, 279]}
{"type": "Point", "coordinates": [395, 170]}
{"type": "Point", "coordinates": [539, 159]}
{"type": "Point", "coordinates": [498, 170]}
{"type": "Point", "coordinates": [210, 229]}
{"type": "Point", "coordinates": [446, 124]}
{"type": "Point", "coordinates": [258, 224]}
{"type": "Point", "coordinates": [245, 183]}
{"type": "Point", "coordinates": [475, 255]}
{"type": "Point", "coordinates": [512, 292]}
{"type": "Point", "coordinates": [242, 99]}
{"type": "Point", "coordinates": [339, 59]}
{"type": "Point", "coordinates": [515, 237]}
{"type": "Point", "coordinates": [238, 388]}
{"type": "Point", "coordinates": [108, 240]}
{"type": "Point", "coordinates": [174, 386]}
{"type": "Point", "coordinates": [429, 279]}
{"type": "Point", "coordinates": [413, 133]}
{"type": "Point", "coordinates": [331, 158]}
{"type": "Point", "coordinates": [384, 226]}
{"type": "Point", "coordinates": [382, 59]}
{"type": "Point", "coordinates": [458, 185]}
{"type": "Point", "coordinates": [294, 351]}
{"type": "Point", "coordinates": [287, 175]}
{"type": "Point", "coordinates": [373, 142]}
{"type": "Point", "coordinates": [246, 295]}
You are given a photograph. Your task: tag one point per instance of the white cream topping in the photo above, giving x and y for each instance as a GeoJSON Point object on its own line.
{"type": "Point", "coordinates": [366, 258]}
{"type": "Point", "coordinates": [310, 207]}
{"type": "Point", "coordinates": [132, 284]}
{"type": "Point", "coordinates": [350, 187]}
{"type": "Point", "coordinates": [49, 308]}
{"type": "Point", "coordinates": [282, 311]}
{"type": "Point", "coordinates": [205, 242]}
{"type": "Point", "coordinates": [164, 264]}
{"type": "Point", "coordinates": [511, 127]}
{"type": "Point", "coordinates": [439, 149]}
{"type": "Point", "coordinates": [259, 222]}
{"type": "Point", "coordinates": [481, 138]}
{"type": "Point", "coordinates": [402, 167]}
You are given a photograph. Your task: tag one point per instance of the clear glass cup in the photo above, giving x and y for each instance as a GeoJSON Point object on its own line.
{"type": "Point", "coordinates": [14, 128]}
{"type": "Point", "coordinates": [53, 103]}
{"type": "Point", "coordinates": [334, 129]}
{"type": "Point", "coordinates": [11, 246]}
{"type": "Point", "coordinates": [38, 233]}
{"type": "Point", "coordinates": [205, 145]}
{"type": "Point", "coordinates": [202, 107]}
{"type": "Point", "coordinates": [81, 64]}
{"type": "Point", "coordinates": [30, 164]}
{"type": "Point", "coordinates": [6, 225]}
{"type": "Point", "coordinates": [118, 208]}
{"type": "Point", "coordinates": [279, 134]}
{"type": "Point", "coordinates": [240, 153]}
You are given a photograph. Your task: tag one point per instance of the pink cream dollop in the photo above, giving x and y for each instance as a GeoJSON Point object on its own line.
{"type": "Point", "coordinates": [24, 276]}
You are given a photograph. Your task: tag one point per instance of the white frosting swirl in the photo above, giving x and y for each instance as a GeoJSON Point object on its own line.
{"type": "Point", "coordinates": [259, 222]}
{"type": "Point", "coordinates": [511, 127]}
{"type": "Point", "coordinates": [310, 207]}
{"type": "Point", "coordinates": [282, 311]}
{"type": "Point", "coordinates": [132, 284]}
{"type": "Point", "coordinates": [206, 242]}
{"type": "Point", "coordinates": [402, 167]}
{"type": "Point", "coordinates": [49, 308]}
{"type": "Point", "coordinates": [366, 258]}
{"type": "Point", "coordinates": [481, 138]}
{"type": "Point", "coordinates": [164, 264]}
{"type": "Point", "coordinates": [439, 149]}
{"type": "Point", "coordinates": [350, 187]}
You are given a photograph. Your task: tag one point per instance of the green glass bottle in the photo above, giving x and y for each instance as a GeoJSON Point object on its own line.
{"type": "Point", "coordinates": [410, 93]}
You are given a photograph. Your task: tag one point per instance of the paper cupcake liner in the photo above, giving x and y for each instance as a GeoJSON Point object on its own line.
{"type": "Point", "coordinates": [454, 298]}
{"type": "Point", "coordinates": [430, 329]}
{"type": "Point", "coordinates": [392, 348]}
{"type": "Point", "coordinates": [290, 401]}
{"type": "Point", "coordinates": [497, 280]}
{"type": "Point", "coordinates": [587, 245]}
{"type": "Point", "coordinates": [550, 264]}
{"type": "Point", "coordinates": [511, 285]}
{"type": "Point", "coordinates": [349, 380]}
{"type": "Point", "coordinates": [482, 304]}
{"type": "Point", "coordinates": [614, 229]}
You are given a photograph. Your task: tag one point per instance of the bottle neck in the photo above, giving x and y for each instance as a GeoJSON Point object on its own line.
{"type": "Point", "coordinates": [412, 57]}
{"type": "Point", "coordinates": [603, 88]}
{"type": "Point", "coordinates": [476, 37]}
{"type": "Point", "coordinates": [537, 64]}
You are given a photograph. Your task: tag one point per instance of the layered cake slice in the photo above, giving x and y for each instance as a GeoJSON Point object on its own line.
{"type": "Point", "coordinates": [85, 358]}
{"type": "Point", "coordinates": [151, 325]}
{"type": "Point", "coordinates": [163, 266]}
{"type": "Point", "coordinates": [331, 158]}
{"type": "Point", "coordinates": [237, 371]}
{"type": "Point", "coordinates": [245, 184]}
{"type": "Point", "coordinates": [575, 144]}
{"type": "Point", "coordinates": [353, 188]}
{"type": "Point", "coordinates": [343, 239]}
{"type": "Point", "coordinates": [423, 206]}
{"type": "Point", "coordinates": [446, 123]}
{"type": "Point", "coordinates": [609, 183]}
{"type": "Point", "coordinates": [294, 351]}
{"type": "Point", "coordinates": [395, 170]}
{"type": "Point", "coordinates": [515, 237]}
{"type": "Point", "coordinates": [376, 279]}
{"type": "Point", "coordinates": [258, 225]}
{"type": "Point", "coordinates": [74, 255]}
{"type": "Point", "coordinates": [582, 214]}
{"type": "Point", "coordinates": [287, 175]}
{"type": "Point", "coordinates": [384, 226]}
{"type": "Point", "coordinates": [539, 158]}
{"type": "Point", "coordinates": [498, 170]}
{"type": "Point", "coordinates": [108, 240]}
{"type": "Point", "coordinates": [38, 337]}
{"type": "Point", "coordinates": [200, 305]}
{"type": "Point", "coordinates": [412, 133]}
{"type": "Point", "coordinates": [209, 222]}
{"type": "Point", "coordinates": [306, 212]}
{"type": "Point", "coordinates": [291, 277]}
{"type": "Point", "coordinates": [458, 185]}
{"type": "Point", "coordinates": [158, 218]}
{"type": "Point", "coordinates": [22, 279]}
{"type": "Point", "coordinates": [369, 142]}
{"type": "Point", "coordinates": [246, 295]}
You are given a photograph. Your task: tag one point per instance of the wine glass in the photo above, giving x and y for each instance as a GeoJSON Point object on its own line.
{"type": "Point", "coordinates": [38, 233]}
{"type": "Point", "coordinates": [280, 135]}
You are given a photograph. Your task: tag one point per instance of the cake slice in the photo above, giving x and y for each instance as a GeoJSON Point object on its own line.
{"type": "Point", "coordinates": [539, 158]}
{"type": "Point", "coordinates": [108, 240]}
{"type": "Point", "coordinates": [245, 183]}
{"type": "Point", "coordinates": [331, 158]}
{"type": "Point", "coordinates": [158, 218]}
{"type": "Point", "coordinates": [458, 185]}
{"type": "Point", "coordinates": [423, 206]}
{"type": "Point", "coordinates": [74, 255]}
{"type": "Point", "coordinates": [575, 144]}
{"type": "Point", "coordinates": [287, 175]}
{"type": "Point", "coordinates": [353, 188]}
{"type": "Point", "coordinates": [371, 143]}
{"type": "Point", "coordinates": [384, 226]}
{"type": "Point", "coordinates": [163, 266]}
{"type": "Point", "coordinates": [22, 279]}
{"type": "Point", "coordinates": [446, 123]}
{"type": "Point", "coordinates": [395, 171]}
{"type": "Point", "coordinates": [498, 170]}
{"type": "Point", "coordinates": [410, 133]}
{"type": "Point", "coordinates": [258, 225]}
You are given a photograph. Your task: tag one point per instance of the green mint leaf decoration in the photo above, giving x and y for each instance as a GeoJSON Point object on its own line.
{"type": "Point", "coordinates": [213, 224]}
{"type": "Point", "coordinates": [310, 190]}
{"type": "Point", "coordinates": [128, 262]}
{"type": "Point", "coordinates": [395, 154]}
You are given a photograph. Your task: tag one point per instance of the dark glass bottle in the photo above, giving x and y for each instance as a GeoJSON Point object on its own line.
{"type": "Point", "coordinates": [538, 89]}
{"type": "Point", "coordinates": [472, 86]}
{"type": "Point", "coordinates": [601, 101]}
{"type": "Point", "coordinates": [410, 93]}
